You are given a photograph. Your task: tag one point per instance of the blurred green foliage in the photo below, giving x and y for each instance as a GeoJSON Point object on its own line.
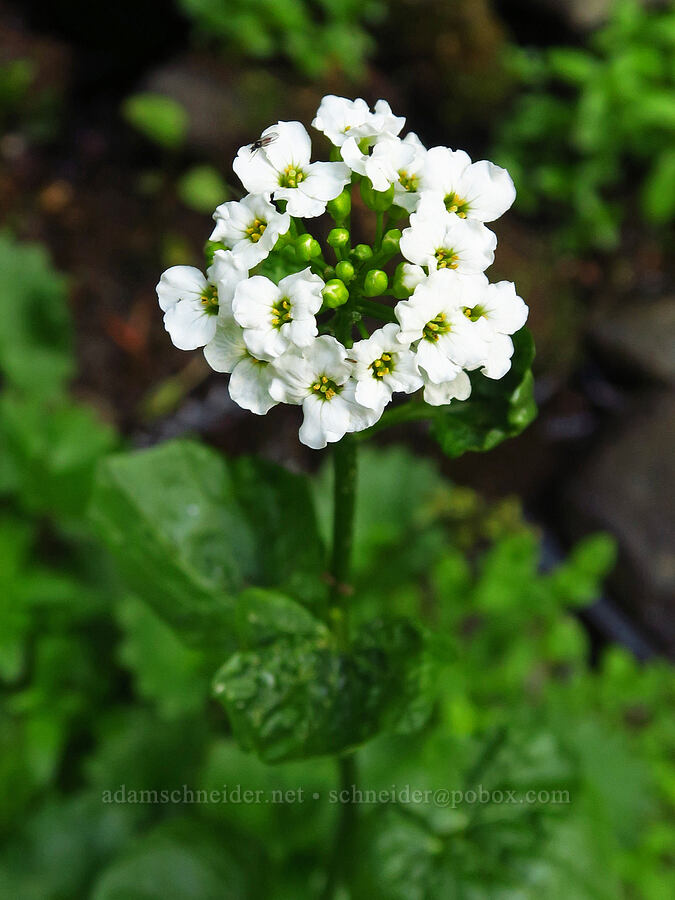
{"type": "Point", "coordinates": [316, 37]}
{"type": "Point", "coordinates": [99, 691]}
{"type": "Point", "coordinates": [590, 141]}
{"type": "Point", "coordinates": [160, 119]}
{"type": "Point", "coordinates": [202, 188]}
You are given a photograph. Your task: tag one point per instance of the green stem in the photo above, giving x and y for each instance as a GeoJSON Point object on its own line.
{"type": "Point", "coordinates": [379, 229]}
{"type": "Point", "coordinates": [344, 845]}
{"type": "Point", "coordinates": [344, 494]}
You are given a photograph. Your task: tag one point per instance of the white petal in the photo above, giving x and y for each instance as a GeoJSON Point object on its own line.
{"type": "Point", "coordinates": [227, 347]}
{"type": "Point", "coordinates": [437, 365]}
{"type": "Point", "coordinates": [459, 388]}
{"type": "Point", "coordinates": [506, 311]}
{"type": "Point", "coordinates": [325, 180]}
{"type": "Point", "coordinates": [498, 358]}
{"type": "Point", "coordinates": [488, 189]}
{"type": "Point", "coordinates": [255, 172]}
{"type": "Point", "coordinates": [179, 283]}
{"type": "Point", "coordinates": [372, 392]}
{"type": "Point", "coordinates": [249, 386]}
{"type": "Point", "coordinates": [253, 301]}
{"type": "Point", "coordinates": [292, 146]}
{"type": "Point", "coordinates": [189, 326]}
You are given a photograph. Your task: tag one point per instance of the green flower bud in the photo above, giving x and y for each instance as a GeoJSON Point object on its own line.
{"type": "Point", "coordinates": [390, 242]}
{"type": "Point", "coordinates": [335, 293]}
{"type": "Point", "coordinates": [210, 248]}
{"type": "Point", "coordinates": [362, 252]}
{"type": "Point", "coordinates": [307, 247]}
{"type": "Point", "coordinates": [338, 237]}
{"type": "Point", "coordinates": [340, 208]}
{"type": "Point", "coordinates": [328, 273]}
{"type": "Point", "coordinates": [376, 283]}
{"type": "Point", "coordinates": [345, 271]}
{"type": "Point", "coordinates": [377, 200]}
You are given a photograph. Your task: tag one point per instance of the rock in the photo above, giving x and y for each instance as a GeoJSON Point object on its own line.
{"type": "Point", "coordinates": [627, 488]}
{"type": "Point", "coordinates": [641, 338]}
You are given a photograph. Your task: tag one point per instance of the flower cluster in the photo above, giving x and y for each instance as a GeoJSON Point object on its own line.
{"type": "Point", "coordinates": [279, 315]}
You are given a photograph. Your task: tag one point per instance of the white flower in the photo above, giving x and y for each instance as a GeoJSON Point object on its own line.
{"type": "Point", "coordinates": [192, 303]}
{"type": "Point", "coordinates": [440, 240]}
{"type": "Point", "coordinates": [383, 365]}
{"type": "Point", "coordinates": [282, 168]}
{"type": "Point", "coordinates": [407, 187]}
{"type": "Point", "coordinates": [380, 162]}
{"type": "Point", "coordinates": [318, 378]}
{"type": "Point", "coordinates": [458, 388]}
{"type": "Point", "coordinates": [480, 191]}
{"type": "Point", "coordinates": [251, 378]}
{"type": "Point", "coordinates": [501, 308]}
{"type": "Point", "coordinates": [434, 316]}
{"type": "Point", "coordinates": [496, 313]}
{"type": "Point", "coordinates": [339, 118]}
{"type": "Point", "coordinates": [249, 227]}
{"type": "Point", "coordinates": [275, 318]}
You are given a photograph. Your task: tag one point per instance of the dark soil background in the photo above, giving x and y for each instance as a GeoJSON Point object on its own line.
{"type": "Point", "coordinates": [75, 176]}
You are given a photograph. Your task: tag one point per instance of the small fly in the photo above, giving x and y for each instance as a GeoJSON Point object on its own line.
{"type": "Point", "coordinates": [262, 142]}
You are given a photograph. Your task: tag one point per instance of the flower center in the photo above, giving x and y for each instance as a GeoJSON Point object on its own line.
{"type": "Point", "coordinates": [446, 258]}
{"type": "Point", "coordinates": [291, 177]}
{"type": "Point", "coordinates": [474, 313]}
{"type": "Point", "coordinates": [281, 312]}
{"type": "Point", "coordinates": [382, 366]}
{"type": "Point", "coordinates": [436, 327]}
{"type": "Point", "coordinates": [256, 230]}
{"type": "Point", "coordinates": [455, 204]}
{"type": "Point", "coordinates": [325, 388]}
{"type": "Point", "coordinates": [209, 300]}
{"type": "Point", "coordinates": [408, 182]}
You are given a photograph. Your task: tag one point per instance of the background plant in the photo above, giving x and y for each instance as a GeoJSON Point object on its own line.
{"type": "Point", "coordinates": [590, 140]}
{"type": "Point", "coordinates": [314, 37]}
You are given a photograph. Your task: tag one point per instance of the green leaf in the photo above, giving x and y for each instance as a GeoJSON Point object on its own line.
{"type": "Point", "coordinates": [301, 697]}
{"type": "Point", "coordinates": [171, 518]}
{"type": "Point", "coordinates": [202, 188]}
{"type": "Point", "coordinates": [182, 859]}
{"type": "Point", "coordinates": [166, 672]}
{"type": "Point", "coordinates": [289, 552]}
{"type": "Point", "coordinates": [495, 411]}
{"type": "Point", "coordinates": [191, 530]}
{"type": "Point", "coordinates": [658, 194]}
{"type": "Point", "coordinates": [158, 118]}
{"type": "Point", "coordinates": [263, 616]}
{"type": "Point", "coordinates": [52, 447]}
{"type": "Point", "coordinates": [35, 332]}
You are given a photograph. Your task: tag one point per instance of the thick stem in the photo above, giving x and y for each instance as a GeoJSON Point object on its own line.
{"type": "Point", "coordinates": [343, 852]}
{"type": "Point", "coordinates": [344, 494]}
